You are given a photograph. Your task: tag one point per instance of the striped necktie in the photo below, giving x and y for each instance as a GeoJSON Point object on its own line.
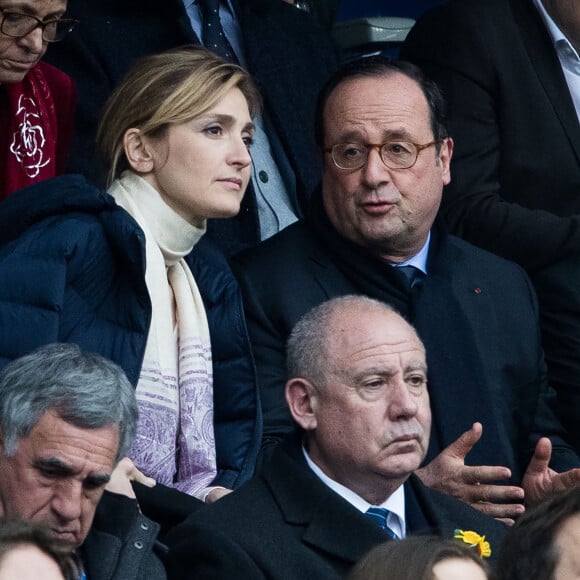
{"type": "Point", "coordinates": [212, 32]}
{"type": "Point", "coordinates": [379, 516]}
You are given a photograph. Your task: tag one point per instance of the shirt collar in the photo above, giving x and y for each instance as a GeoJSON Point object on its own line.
{"type": "Point", "coordinates": [566, 51]}
{"type": "Point", "coordinates": [419, 260]}
{"type": "Point", "coordinates": [395, 503]}
{"type": "Point", "coordinates": [555, 33]}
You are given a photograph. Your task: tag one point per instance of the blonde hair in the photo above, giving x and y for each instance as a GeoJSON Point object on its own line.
{"type": "Point", "coordinates": [174, 86]}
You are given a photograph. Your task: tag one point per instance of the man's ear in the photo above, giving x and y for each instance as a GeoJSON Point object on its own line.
{"type": "Point", "coordinates": [302, 399]}
{"type": "Point", "coordinates": [137, 151]}
{"type": "Point", "coordinates": [445, 155]}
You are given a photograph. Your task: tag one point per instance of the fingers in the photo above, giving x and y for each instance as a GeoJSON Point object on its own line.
{"type": "Point", "coordinates": [494, 494]}
{"type": "Point", "coordinates": [509, 512]}
{"type": "Point", "coordinates": [216, 494]}
{"type": "Point", "coordinates": [566, 480]}
{"type": "Point", "coordinates": [506, 521]}
{"type": "Point", "coordinates": [125, 465]}
{"type": "Point", "coordinates": [140, 477]}
{"type": "Point", "coordinates": [466, 441]}
{"type": "Point", "coordinates": [484, 474]}
{"type": "Point", "coordinates": [541, 458]}
{"type": "Point", "coordinates": [130, 471]}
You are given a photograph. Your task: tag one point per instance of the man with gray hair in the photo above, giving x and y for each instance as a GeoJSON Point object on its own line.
{"type": "Point", "coordinates": [357, 389]}
{"type": "Point", "coordinates": [67, 420]}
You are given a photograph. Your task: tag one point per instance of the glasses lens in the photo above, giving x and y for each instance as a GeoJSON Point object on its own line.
{"type": "Point", "coordinates": [398, 154]}
{"type": "Point", "coordinates": [57, 30]}
{"type": "Point", "coordinates": [350, 155]}
{"type": "Point", "coordinates": [17, 25]}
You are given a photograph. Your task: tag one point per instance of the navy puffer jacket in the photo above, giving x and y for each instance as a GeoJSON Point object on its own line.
{"type": "Point", "coordinates": [72, 269]}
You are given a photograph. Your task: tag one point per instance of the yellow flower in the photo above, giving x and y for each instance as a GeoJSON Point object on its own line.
{"type": "Point", "coordinates": [474, 540]}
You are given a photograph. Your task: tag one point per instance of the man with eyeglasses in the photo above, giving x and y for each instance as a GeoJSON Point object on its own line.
{"type": "Point", "coordinates": [380, 125]}
{"type": "Point", "coordinates": [510, 71]}
{"type": "Point", "coordinates": [37, 101]}
{"type": "Point", "coordinates": [278, 43]}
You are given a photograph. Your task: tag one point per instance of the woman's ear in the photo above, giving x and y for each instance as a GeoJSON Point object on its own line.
{"type": "Point", "coordinates": [138, 152]}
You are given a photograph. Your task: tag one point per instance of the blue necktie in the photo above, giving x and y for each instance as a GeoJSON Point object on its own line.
{"type": "Point", "coordinates": [379, 516]}
{"type": "Point", "coordinates": [213, 35]}
{"type": "Point", "coordinates": [413, 275]}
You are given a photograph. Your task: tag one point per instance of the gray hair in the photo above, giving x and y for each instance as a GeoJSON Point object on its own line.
{"type": "Point", "coordinates": [84, 389]}
{"type": "Point", "coordinates": [307, 353]}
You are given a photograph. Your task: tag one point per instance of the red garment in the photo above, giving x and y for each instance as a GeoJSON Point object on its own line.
{"type": "Point", "coordinates": [36, 126]}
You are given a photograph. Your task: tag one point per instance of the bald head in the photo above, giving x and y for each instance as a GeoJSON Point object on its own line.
{"type": "Point", "coordinates": [313, 339]}
{"type": "Point", "coordinates": [358, 389]}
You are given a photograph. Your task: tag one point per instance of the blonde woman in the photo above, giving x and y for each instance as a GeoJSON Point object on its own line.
{"type": "Point", "coordinates": [127, 272]}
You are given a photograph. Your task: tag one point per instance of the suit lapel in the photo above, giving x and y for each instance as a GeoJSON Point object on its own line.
{"type": "Point", "coordinates": [329, 523]}
{"type": "Point", "coordinates": [185, 25]}
{"type": "Point", "coordinates": [327, 275]}
{"type": "Point", "coordinates": [422, 514]}
{"type": "Point", "coordinates": [339, 529]}
{"type": "Point", "coordinates": [447, 308]}
{"type": "Point", "coordinates": [546, 65]}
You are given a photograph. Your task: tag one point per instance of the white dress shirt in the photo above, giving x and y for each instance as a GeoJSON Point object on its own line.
{"type": "Point", "coordinates": [567, 55]}
{"type": "Point", "coordinates": [395, 503]}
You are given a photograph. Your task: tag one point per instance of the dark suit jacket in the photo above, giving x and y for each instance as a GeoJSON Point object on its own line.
{"type": "Point", "coordinates": [485, 360]}
{"type": "Point", "coordinates": [288, 54]}
{"type": "Point", "coordinates": [287, 525]}
{"type": "Point", "coordinates": [516, 166]}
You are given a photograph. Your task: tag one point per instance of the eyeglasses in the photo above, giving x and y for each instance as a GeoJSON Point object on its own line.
{"type": "Point", "coordinates": [17, 25]}
{"type": "Point", "coordinates": [394, 154]}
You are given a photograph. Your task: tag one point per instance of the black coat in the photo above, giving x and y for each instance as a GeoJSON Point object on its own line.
{"type": "Point", "coordinates": [476, 314]}
{"type": "Point", "coordinates": [122, 543]}
{"type": "Point", "coordinates": [287, 525]}
{"type": "Point", "coordinates": [288, 54]}
{"type": "Point", "coordinates": [516, 133]}
{"type": "Point", "coordinates": [516, 165]}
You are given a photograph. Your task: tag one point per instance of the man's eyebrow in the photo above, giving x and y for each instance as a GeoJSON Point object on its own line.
{"type": "Point", "coordinates": [97, 480]}
{"type": "Point", "coordinates": [29, 9]}
{"type": "Point", "coordinates": [382, 371]}
{"type": "Point", "coordinates": [389, 371]}
{"type": "Point", "coordinates": [397, 135]}
{"type": "Point", "coordinates": [351, 137]}
{"type": "Point", "coordinates": [355, 136]}
{"type": "Point", "coordinates": [63, 469]}
{"type": "Point", "coordinates": [416, 366]}
{"type": "Point", "coordinates": [54, 464]}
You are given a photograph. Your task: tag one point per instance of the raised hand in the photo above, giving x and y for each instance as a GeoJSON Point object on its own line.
{"type": "Point", "coordinates": [540, 481]}
{"type": "Point", "coordinates": [449, 474]}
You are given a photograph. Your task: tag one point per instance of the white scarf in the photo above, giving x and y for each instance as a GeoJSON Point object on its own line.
{"type": "Point", "coordinates": [175, 441]}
